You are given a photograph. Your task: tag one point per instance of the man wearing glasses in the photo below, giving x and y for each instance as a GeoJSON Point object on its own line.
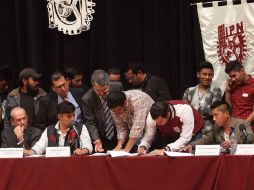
{"type": "Point", "coordinates": [60, 92]}
{"type": "Point", "coordinates": [27, 96]}
{"type": "Point", "coordinates": [138, 78]}
{"type": "Point", "coordinates": [97, 116]}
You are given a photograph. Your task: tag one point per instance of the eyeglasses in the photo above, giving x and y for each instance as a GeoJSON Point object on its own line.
{"type": "Point", "coordinates": [103, 90]}
{"type": "Point", "coordinates": [64, 85]}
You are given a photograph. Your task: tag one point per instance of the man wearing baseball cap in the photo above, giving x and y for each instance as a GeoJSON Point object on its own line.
{"type": "Point", "coordinates": [27, 96]}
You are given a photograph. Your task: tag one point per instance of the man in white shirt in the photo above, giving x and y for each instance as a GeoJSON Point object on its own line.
{"type": "Point", "coordinates": [176, 121]}
{"type": "Point", "coordinates": [64, 133]}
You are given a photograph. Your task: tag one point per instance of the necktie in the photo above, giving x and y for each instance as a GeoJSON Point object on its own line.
{"type": "Point", "coordinates": [109, 123]}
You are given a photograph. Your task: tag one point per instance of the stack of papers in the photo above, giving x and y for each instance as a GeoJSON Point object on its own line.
{"type": "Point", "coordinates": [177, 154]}
{"type": "Point", "coordinates": [120, 153]}
{"type": "Point", "coordinates": [35, 155]}
{"type": "Point", "coordinates": [99, 154]}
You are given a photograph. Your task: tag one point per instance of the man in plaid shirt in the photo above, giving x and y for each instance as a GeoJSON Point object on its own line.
{"type": "Point", "coordinates": [240, 91]}
{"type": "Point", "coordinates": [129, 111]}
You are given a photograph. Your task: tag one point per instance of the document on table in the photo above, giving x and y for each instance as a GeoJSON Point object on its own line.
{"type": "Point", "coordinates": [99, 154]}
{"type": "Point", "coordinates": [120, 153]}
{"type": "Point", "coordinates": [177, 154]}
{"type": "Point", "coordinates": [35, 156]}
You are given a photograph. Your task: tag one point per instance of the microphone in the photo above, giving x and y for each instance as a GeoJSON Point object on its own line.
{"type": "Point", "coordinates": [243, 130]}
{"type": "Point", "coordinates": [72, 125]}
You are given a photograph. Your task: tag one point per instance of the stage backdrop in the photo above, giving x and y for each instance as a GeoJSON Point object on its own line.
{"type": "Point", "coordinates": [165, 34]}
{"type": "Point", "coordinates": [228, 34]}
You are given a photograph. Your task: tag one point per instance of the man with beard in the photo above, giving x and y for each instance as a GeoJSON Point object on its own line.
{"type": "Point", "coordinates": [75, 78]}
{"type": "Point", "coordinates": [27, 96]}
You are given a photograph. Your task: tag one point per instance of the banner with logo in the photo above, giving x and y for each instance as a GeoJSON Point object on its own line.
{"type": "Point", "coordinates": [227, 34]}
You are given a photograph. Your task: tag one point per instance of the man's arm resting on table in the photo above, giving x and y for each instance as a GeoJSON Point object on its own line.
{"type": "Point", "coordinates": [131, 142]}
{"type": "Point", "coordinates": [120, 143]}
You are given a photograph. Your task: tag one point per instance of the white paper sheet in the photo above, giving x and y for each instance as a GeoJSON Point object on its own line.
{"type": "Point", "coordinates": [178, 154]}
{"type": "Point", "coordinates": [120, 153]}
{"type": "Point", "coordinates": [99, 154]}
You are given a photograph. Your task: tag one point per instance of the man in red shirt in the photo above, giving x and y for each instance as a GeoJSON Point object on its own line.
{"type": "Point", "coordinates": [240, 92]}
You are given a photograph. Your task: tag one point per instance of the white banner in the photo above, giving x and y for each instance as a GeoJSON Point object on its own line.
{"type": "Point", "coordinates": [227, 34]}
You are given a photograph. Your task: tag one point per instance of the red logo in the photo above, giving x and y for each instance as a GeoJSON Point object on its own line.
{"type": "Point", "coordinates": [52, 138]}
{"type": "Point", "coordinates": [231, 43]}
{"type": "Point", "coordinates": [71, 136]}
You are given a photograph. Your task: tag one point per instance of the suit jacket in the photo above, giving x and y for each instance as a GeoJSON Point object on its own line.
{"type": "Point", "coordinates": [155, 87]}
{"type": "Point", "coordinates": [216, 135]}
{"type": "Point", "coordinates": [31, 136]}
{"type": "Point", "coordinates": [93, 114]}
{"type": "Point", "coordinates": [212, 95]}
{"type": "Point", "coordinates": [47, 114]}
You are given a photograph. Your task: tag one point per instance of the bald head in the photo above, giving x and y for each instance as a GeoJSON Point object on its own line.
{"type": "Point", "coordinates": [18, 117]}
{"type": "Point", "coordinates": [16, 111]}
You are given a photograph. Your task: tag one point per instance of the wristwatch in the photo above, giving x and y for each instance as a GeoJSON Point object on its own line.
{"type": "Point", "coordinates": [167, 148]}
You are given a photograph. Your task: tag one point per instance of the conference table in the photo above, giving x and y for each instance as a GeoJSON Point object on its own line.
{"type": "Point", "coordinates": [130, 173]}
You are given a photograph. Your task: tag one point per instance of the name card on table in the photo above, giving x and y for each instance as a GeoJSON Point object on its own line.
{"type": "Point", "coordinates": [207, 150]}
{"type": "Point", "coordinates": [11, 152]}
{"type": "Point", "coordinates": [58, 151]}
{"type": "Point", "coordinates": [245, 149]}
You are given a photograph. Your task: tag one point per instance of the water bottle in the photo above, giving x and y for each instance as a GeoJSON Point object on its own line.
{"type": "Point", "coordinates": [233, 142]}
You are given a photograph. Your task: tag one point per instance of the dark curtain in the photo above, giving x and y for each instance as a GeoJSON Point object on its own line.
{"type": "Point", "coordinates": [164, 34]}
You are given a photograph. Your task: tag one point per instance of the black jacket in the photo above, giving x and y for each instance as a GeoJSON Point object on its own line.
{"type": "Point", "coordinates": [155, 87]}
{"type": "Point", "coordinates": [31, 136]}
{"type": "Point", "coordinates": [47, 114]}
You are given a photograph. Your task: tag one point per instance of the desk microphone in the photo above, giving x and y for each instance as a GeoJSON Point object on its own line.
{"type": "Point", "coordinates": [243, 130]}
{"type": "Point", "coordinates": [72, 125]}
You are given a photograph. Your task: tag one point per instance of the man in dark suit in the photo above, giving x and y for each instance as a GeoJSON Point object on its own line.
{"type": "Point", "coordinates": [75, 78]}
{"type": "Point", "coordinates": [47, 114]}
{"type": "Point", "coordinates": [97, 116]}
{"type": "Point", "coordinates": [138, 78]}
{"type": "Point", "coordinates": [19, 134]}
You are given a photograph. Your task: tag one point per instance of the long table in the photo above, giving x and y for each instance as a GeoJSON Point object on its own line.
{"type": "Point", "coordinates": [130, 173]}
